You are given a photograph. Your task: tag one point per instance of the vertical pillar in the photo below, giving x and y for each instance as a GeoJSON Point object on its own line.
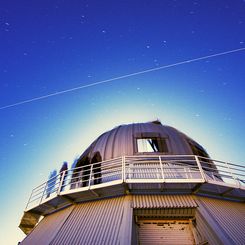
{"type": "Point", "coordinates": [90, 175]}
{"type": "Point", "coordinates": [43, 193]}
{"type": "Point", "coordinates": [200, 168]}
{"type": "Point", "coordinates": [61, 181]}
{"type": "Point", "coordinates": [125, 236]}
{"type": "Point", "coordinates": [161, 166]}
{"type": "Point", "coordinates": [123, 169]}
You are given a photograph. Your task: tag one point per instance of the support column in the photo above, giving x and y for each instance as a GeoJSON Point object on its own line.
{"type": "Point", "coordinates": [125, 236]}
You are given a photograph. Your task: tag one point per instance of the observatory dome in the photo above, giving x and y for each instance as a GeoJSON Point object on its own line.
{"type": "Point", "coordinates": [147, 183]}
{"type": "Point", "coordinates": [142, 139]}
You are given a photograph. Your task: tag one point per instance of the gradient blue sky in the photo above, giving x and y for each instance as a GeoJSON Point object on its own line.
{"type": "Point", "coordinates": [48, 46]}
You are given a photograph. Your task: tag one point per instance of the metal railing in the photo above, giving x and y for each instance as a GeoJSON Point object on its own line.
{"type": "Point", "coordinates": [140, 169]}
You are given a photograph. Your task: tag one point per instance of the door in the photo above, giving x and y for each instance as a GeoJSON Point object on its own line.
{"type": "Point", "coordinates": [169, 232]}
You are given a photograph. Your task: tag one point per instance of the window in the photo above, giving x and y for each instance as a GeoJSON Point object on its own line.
{"type": "Point", "coordinates": [153, 144]}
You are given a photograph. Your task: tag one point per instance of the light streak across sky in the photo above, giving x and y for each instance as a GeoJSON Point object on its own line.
{"type": "Point", "coordinates": [122, 77]}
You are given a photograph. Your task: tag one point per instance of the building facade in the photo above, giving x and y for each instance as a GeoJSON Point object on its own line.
{"type": "Point", "coordinates": [142, 183]}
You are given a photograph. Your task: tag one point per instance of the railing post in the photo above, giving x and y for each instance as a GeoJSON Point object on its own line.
{"type": "Point", "coordinates": [123, 169]}
{"type": "Point", "coordinates": [90, 175]}
{"type": "Point", "coordinates": [232, 175]}
{"type": "Point", "coordinates": [190, 174]}
{"type": "Point", "coordinates": [29, 200]}
{"type": "Point", "coordinates": [200, 168]}
{"type": "Point", "coordinates": [43, 192]}
{"type": "Point", "coordinates": [161, 166]}
{"type": "Point", "coordinates": [61, 181]}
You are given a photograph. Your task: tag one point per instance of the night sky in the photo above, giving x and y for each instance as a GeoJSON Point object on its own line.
{"type": "Point", "coordinates": [51, 46]}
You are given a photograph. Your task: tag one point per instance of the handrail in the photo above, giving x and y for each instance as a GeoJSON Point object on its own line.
{"type": "Point", "coordinates": [215, 160]}
{"type": "Point", "coordinates": [144, 167]}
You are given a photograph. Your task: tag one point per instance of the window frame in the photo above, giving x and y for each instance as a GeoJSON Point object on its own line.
{"type": "Point", "coordinates": [164, 143]}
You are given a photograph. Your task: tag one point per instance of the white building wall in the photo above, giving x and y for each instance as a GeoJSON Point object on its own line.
{"type": "Point", "coordinates": [47, 228]}
{"type": "Point", "coordinates": [225, 218]}
{"type": "Point", "coordinates": [113, 220]}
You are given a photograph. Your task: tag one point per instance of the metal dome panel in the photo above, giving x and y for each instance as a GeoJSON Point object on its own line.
{"type": "Point", "coordinates": [122, 141]}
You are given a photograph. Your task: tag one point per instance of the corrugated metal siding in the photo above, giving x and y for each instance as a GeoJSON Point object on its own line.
{"type": "Point", "coordinates": [204, 231]}
{"type": "Point", "coordinates": [97, 222]}
{"type": "Point", "coordinates": [165, 232]}
{"type": "Point", "coordinates": [165, 212]}
{"type": "Point", "coordinates": [163, 201]}
{"type": "Point", "coordinates": [226, 216]}
{"type": "Point", "coordinates": [48, 227]}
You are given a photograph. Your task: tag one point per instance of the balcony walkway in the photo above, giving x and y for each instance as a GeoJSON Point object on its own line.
{"type": "Point", "coordinates": [147, 174]}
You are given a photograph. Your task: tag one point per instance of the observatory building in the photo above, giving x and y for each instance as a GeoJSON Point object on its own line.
{"type": "Point", "coordinates": [143, 183]}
